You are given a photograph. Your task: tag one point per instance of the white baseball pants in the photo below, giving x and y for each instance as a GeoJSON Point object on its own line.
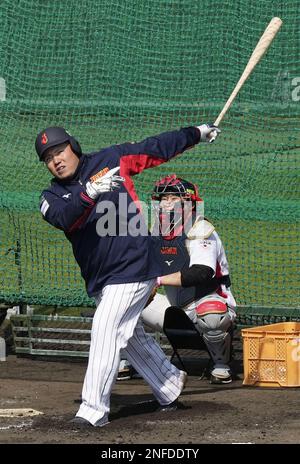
{"type": "Point", "coordinates": [116, 326]}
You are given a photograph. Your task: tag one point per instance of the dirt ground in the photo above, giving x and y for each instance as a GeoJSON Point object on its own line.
{"type": "Point", "coordinates": [208, 414]}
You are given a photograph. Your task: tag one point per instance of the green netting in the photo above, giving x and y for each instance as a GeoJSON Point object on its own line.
{"type": "Point", "coordinates": [119, 70]}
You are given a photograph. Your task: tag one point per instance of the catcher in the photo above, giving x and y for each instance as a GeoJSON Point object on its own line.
{"type": "Point", "coordinates": [196, 271]}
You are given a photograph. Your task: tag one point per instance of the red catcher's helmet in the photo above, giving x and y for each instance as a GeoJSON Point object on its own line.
{"type": "Point", "coordinates": [176, 186]}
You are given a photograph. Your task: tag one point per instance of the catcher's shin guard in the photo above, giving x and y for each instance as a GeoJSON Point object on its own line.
{"type": "Point", "coordinates": [214, 320]}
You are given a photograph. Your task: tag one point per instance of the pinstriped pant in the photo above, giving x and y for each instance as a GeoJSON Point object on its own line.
{"type": "Point", "coordinates": [116, 326]}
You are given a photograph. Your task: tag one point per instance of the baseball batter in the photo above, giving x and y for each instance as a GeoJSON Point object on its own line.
{"type": "Point", "coordinates": [193, 256]}
{"type": "Point", "coordinates": [119, 269]}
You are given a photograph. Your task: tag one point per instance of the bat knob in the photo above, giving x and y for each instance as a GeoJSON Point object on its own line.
{"type": "Point", "coordinates": [213, 135]}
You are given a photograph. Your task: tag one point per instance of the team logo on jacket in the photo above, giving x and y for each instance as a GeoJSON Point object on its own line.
{"type": "Point", "coordinates": [168, 250]}
{"type": "Point", "coordinates": [44, 138]}
{"type": "Point", "coordinates": [205, 243]}
{"type": "Point", "coordinates": [99, 174]}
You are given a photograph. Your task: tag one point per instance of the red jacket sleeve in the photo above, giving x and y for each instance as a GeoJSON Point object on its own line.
{"type": "Point", "coordinates": [153, 151]}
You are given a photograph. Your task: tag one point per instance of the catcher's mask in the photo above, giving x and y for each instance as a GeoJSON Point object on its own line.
{"type": "Point", "coordinates": [176, 186]}
{"type": "Point", "coordinates": [171, 222]}
{"type": "Point", "coordinates": [53, 136]}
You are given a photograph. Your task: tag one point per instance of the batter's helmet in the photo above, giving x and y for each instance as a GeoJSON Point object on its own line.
{"type": "Point", "coordinates": [53, 136]}
{"type": "Point", "coordinates": [176, 186]}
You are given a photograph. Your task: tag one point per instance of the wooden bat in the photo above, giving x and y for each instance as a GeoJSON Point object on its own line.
{"type": "Point", "coordinates": [257, 54]}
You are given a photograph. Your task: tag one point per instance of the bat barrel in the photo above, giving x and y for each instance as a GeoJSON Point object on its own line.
{"type": "Point", "coordinates": [259, 51]}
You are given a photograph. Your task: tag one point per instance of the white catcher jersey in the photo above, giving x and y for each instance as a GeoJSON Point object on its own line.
{"type": "Point", "coordinates": [210, 252]}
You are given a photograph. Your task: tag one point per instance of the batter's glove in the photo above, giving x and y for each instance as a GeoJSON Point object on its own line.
{"type": "Point", "coordinates": [104, 184]}
{"type": "Point", "coordinates": [208, 132]}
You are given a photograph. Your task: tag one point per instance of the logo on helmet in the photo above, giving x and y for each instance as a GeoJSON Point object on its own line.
{"type": "Point", "coordinates": [44, 138]}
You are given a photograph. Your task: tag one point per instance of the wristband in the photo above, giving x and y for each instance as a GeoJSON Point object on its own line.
{"type": "Point", "coordinates": [158, 282]}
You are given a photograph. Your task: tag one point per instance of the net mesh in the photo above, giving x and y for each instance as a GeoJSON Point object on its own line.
{"type": "Point", "coordinates": [115, 71]}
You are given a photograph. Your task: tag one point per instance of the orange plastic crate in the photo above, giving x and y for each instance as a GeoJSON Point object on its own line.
{"type": "Point", "coordinates": [272, 355]}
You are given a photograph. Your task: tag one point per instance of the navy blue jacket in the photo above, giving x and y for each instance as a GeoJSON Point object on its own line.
{"type": "Point", "coordinates": [64, 204]}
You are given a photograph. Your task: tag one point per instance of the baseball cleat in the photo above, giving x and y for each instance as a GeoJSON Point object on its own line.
{"type": "Point", "coordinates": [124, 374]}
{"type": "Point", "coordinates": [128, 373]}
{"type": "Point", "coordinates": [80, 421]}
{"type": "Point", "coordinates": [221, 375]}
{"type": "Point", "coordinates": [175, 404]}
{"type": "Point", "coordinates": [219, 381]}
{"type": "Point", "coordinates": [168, 407]}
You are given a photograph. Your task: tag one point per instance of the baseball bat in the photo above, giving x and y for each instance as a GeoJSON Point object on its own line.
{"type": "Point", "coordinates": [257, 54]}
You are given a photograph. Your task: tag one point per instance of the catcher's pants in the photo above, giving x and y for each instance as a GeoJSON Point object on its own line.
{"type": "Point", "coordinates": [116, 326]}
